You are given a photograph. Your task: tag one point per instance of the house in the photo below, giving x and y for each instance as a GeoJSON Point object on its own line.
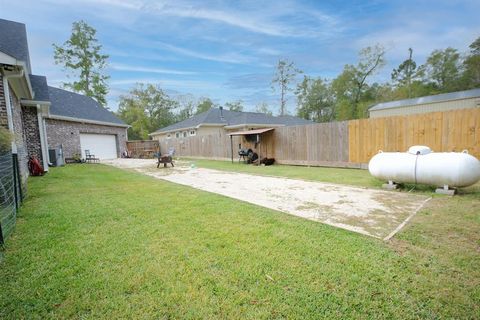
{"type": "Point", "coordinates": [219, 121]}
{"type": "Point", "coordinates": [440, 102]}
{"type": "Point", "coordinates": [219, 124]}
{"type": "Point", "coordinates": [43, 117]}
{"type": "Point", "coordinates": [38, 118]}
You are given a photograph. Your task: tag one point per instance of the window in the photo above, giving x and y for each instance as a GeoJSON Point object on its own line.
{"type": "Point", "coordinates": [169, 136]}
{"type": "Point", "coordinates": [193, 133]}
{"type": "Point", "coordinates": [177, 135]}
{"type": "Point", "coordinates": [184, 134]}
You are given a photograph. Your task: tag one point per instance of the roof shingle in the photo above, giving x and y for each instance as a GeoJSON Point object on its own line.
{"type": "Point", "coordinates": [231, 118]}
{"type": "Point", "coordinates": [39, 87]}
{"type": "Point", "coordinates": [74, 105]}
{"type": "Point", "coordinates": [13, 41]}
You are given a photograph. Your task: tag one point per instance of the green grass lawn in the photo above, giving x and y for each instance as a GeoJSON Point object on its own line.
{"type": "Point", "coordinates": [97, 242]}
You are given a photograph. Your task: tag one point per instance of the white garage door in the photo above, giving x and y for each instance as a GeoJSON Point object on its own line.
{"type": "Point", "coordinates": [103, 146]}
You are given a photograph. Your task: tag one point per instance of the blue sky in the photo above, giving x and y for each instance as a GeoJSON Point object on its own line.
{"type": "Point", "coordinates": [227, 50]}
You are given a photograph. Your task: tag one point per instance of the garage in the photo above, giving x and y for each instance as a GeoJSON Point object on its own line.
{"type": "Point", "coordinates": [103, 146]}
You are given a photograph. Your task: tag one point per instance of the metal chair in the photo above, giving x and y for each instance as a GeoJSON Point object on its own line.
{"type": "Point", "coordinates": [90, 157]}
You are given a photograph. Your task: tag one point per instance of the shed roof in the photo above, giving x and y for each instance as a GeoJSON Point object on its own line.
{"type": "Point", "coordinates": [247, 132]}
{"type": "Point", "coordinates": [427, 99]}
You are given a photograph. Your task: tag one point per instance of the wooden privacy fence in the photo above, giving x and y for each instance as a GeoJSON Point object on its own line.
{"type": "Point", "coordinates": [142, 148]}
{"type": "Point", "coordinates": [315, 144]}
{"type": "Point", "coordinates": [441, 131]}
{"type": "Point", "coordinates": [346, 143]}
{"type": "Point", "coordinates": [211, 146]}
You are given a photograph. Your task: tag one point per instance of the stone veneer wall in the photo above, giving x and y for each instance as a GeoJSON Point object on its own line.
{"type": "Point", "coordinates": [20, 139]}
{"type": "Point", "coordinates": [3, 106]}
{"type": "Point", "coordinates": [32, 132]}
{"type": "Point", "coordinates": [67, 134]}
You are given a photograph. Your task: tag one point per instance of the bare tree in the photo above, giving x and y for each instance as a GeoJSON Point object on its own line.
{"type": "Point", "coordinates": [285, 74]}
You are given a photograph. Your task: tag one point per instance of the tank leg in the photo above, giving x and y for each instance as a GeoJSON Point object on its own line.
{"type": "Point", "coordinates": [446, 190]}
{"type": "Point", "coordinates": [390, 185]}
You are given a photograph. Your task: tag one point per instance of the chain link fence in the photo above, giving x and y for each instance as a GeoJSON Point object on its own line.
{"type": "Point", "coordinates": [10, 194]}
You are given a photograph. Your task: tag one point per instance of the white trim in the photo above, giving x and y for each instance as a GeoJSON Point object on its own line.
{"type": "Point", "coordinates": [34, 103]}
{"type": "Point", "coordinates": [71, 119]}
{"type": "Point", "coordinates": [43, 143]}
{"type": "Point", "coordinates": [25, 88]}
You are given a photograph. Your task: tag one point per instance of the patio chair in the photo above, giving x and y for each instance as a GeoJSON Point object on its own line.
{"type": "Point", "coordinates": [166, 158]}
{"type": "Point", "coordinates": [90, 157]}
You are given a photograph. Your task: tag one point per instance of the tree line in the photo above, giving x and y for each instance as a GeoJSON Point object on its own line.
{"type": "Point", "coordinates": [147, 107]}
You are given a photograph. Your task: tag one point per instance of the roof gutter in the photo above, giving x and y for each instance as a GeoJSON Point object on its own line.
{"type": "Point", "coordinates": [187, 128]}
{"type": "Point", "coordinates": [103, 123]}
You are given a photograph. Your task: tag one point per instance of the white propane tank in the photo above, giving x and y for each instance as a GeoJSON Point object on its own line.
{"type": "Point", "coordinates": [421, 165]}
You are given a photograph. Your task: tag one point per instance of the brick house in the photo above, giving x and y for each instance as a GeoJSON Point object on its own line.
{"type": "Point", "coordinates": [42, 117]}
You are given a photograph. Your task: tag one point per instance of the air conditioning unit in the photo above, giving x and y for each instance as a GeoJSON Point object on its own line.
{"type": "Point", "coordinates": [56, 157]}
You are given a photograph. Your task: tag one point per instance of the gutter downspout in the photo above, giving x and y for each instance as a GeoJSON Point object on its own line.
{"type": "Point", "coordinates": [43, 142]}
{"type": "Point", "coordinates": [8, 104]}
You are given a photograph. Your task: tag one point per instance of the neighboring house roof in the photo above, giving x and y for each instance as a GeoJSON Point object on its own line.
{"type": "Point", "coordinates": [428, 99]}
{"type": "Point", "coordinates": [216, 116]}
{"type": "Point", "coordinates": [77, 107]}
{"type": "Point", "coordinates": [13, 40]}
{"type": "Point", "coordinates": [39, 87]}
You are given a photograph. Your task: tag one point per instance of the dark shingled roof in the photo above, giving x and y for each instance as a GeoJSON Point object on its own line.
{"type": "Point", "coordinates": [427, 99]}
{"type": "Point", "coordinates": [39, 87]}
{"type": "Point", "coordinates": [13, 40]}
{"type": "Point", "coordinates": [231, 118]}
{"type": "Point", "coordinates": [74, 105]}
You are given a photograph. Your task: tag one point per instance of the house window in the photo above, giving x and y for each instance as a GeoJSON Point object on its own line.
{"type": "Point", "coordinates": [177, 135]}
{"type": "Point", "coordinates": [184, 134]}
{"type": "Point", "coordinates": [193, 133]}
{"type": "Point", "coordinates": [169, 136]}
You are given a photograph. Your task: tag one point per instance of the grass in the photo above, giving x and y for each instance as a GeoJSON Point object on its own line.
{"type": "Point", "coordinates": [96, 242]}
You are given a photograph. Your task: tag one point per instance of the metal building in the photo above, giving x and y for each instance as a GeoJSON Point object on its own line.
{"type": "Point", "coordinates": [440, 102]}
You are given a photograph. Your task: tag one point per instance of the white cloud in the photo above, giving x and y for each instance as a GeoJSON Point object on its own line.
{"type": "Point", "coordinates": [228, 57]}
{"type": "Point", "coordinates": [122, 67]}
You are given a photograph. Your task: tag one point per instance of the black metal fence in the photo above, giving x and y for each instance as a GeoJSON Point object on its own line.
{"type": "Point", "coordinates": [11, 194]}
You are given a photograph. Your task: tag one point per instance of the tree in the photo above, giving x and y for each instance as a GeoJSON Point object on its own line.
{"type": "Point", "coordinates": [314, 100]}
{"type": "Point", "coordinates": [262, 107]}
{"type": "Point", "coordinates": [443, 70]}
{"type": "Point", "coordinates": [405, 74]}
{"type": "Point", "coordinates": [186, 104]}
{"type": "Point", "coordinates": [235, 106]}
{"type": "Point", "coordinates": [146, 108]}
{"type": "Point", "coordinates": [204, 105]}
{"type": "Point", "coordinates": [350, 86]}
{"type": "Point", "coordinates": [472, 66]}
{"type": "Point", "coordinates": [80, 55]}
{"type": "Point", "coordinates": [285, 74]}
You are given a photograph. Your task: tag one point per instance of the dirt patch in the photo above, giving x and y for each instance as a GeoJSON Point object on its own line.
{"type": "Point", "coordinates": [371, 212]}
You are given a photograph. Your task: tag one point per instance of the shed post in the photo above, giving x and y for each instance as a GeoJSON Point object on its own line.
{"type": "Point", "coordinates": [231, 146]}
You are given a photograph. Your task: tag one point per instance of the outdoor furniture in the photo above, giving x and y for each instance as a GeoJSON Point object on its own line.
{"type": "Point", "coordinates": [243, 154]}
{"type": "Point", "coordinates": [166, 158]}
{"type": "Point", "coordinates": [89, 158]}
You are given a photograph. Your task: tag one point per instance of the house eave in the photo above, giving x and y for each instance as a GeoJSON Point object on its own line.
{"type": "Point", "coordinates": [187, 128]}
{"type": "Point", "coordinates": [16, 72]}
